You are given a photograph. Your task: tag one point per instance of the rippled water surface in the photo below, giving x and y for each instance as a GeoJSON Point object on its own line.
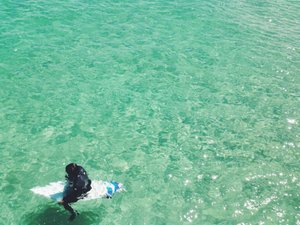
{"type": "Point", "coordinates": [193, 105]}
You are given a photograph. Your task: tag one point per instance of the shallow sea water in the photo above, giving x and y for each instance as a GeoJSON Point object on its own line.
{"type": "Point", "coordinates": [193, 105]}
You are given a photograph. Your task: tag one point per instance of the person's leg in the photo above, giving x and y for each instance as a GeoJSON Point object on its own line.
{"type": "Point", "coordinates": [66, 203]}
{"type": "Point", "coordinates": [68, 207]}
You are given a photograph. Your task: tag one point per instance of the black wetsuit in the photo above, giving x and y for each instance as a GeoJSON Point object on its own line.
{"type": "Point", "coordinates": [78, 185]}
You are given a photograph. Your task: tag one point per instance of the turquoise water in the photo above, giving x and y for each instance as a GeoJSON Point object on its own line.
{"type": "Point", "coordinates": [193, 105]}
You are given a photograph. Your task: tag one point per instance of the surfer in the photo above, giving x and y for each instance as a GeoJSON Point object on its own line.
{"type": "Point", "coordinates": [78, 184]}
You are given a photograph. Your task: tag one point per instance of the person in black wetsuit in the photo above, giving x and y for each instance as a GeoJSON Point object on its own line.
{"type": "Point", "coordinates": [78, 184]}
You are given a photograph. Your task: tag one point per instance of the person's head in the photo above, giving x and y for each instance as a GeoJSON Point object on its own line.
{"type": "Point", "coordinates": [71, 168]}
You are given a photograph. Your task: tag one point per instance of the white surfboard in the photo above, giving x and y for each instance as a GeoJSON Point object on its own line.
{"type": "Point", "coordinates": [100, 189]}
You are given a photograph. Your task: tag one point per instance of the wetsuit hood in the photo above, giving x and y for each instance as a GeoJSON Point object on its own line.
{"type": "Point", "coordinates": [72, 169]}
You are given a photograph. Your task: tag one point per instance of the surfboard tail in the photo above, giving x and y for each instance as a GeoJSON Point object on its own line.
{"type": "Point", "coordinates": [121, 188]}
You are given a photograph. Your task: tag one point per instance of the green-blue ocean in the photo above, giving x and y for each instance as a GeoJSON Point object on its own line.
{"type": "Point", "coordinates": [193, 105]}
